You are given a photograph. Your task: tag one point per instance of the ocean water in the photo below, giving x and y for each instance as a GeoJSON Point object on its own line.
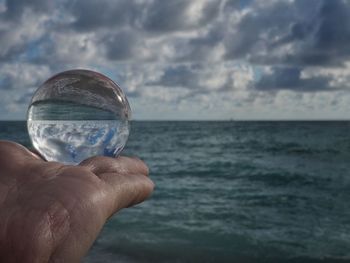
{"type": "Point", "coordinates": [233, 192]}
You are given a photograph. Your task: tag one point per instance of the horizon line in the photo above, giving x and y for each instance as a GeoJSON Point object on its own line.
{"type": "Point", "coordinates": [216, 120]}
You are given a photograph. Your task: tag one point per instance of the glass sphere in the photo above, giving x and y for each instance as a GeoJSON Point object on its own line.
{"type": "Point", "coordinates": [77, 114]}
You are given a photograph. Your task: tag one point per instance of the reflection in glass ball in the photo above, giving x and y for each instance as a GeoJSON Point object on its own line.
{"type": "Point", "coordinates": [77, 114]}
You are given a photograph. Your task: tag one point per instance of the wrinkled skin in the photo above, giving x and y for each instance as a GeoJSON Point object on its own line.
{"type": "Point", "coordinates": [50, 212]}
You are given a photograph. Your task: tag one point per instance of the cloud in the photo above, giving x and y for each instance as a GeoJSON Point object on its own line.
{"type": "Point", "coordinates": [150, 15]}
{"type": "Point", "coordinates": [198, 80]}
{"type": "Point", "coordinates": [292, 33]}
{"type": "Point", "coordinates": [291, 79]}
{"type": "Point", "coordinates": [165, 16]}
{"type": "Point", "coordinates": [16, 8]}
{"type": "Point", "coordinates": [124, 45]}
{"type": "Point", "coordinates": [21, 78]}
{"type": "Point", "coordinates": [236, 54]}
{"type": "Point", "coordinates": [92, 15]}
{"type": "Point", "coordinates": [16, 35]}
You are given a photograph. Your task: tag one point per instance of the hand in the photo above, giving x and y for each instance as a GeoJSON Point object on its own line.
{"type": "Point", "coordinates": [50, 212]}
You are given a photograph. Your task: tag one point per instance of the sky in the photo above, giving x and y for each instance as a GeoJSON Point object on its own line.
{"type": "Point", "coordinates": [185, 59]}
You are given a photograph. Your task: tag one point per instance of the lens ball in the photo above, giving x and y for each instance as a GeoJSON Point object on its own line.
{"type": "Point", "coordinates": [77, 114]}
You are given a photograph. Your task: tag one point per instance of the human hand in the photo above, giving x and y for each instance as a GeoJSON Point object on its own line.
{"type": "Point", "coordinates": [50, 212]}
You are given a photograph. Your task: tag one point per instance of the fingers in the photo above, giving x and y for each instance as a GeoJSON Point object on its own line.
{"type": "Point", "coordinates": [126, 180]}
{"type": "Point", "coordinates": [126, 190]}
{"type": "Point", "coordinates": [121, 165]}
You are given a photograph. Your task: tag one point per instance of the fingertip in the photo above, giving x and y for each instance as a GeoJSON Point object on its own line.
{"type": "Point", "coordinates": [151, 186]}
{"type": "Point", "coordinates": [141, 164]}
{"type": "Point", "coordinates": [145, 193]}
{"type": "Point", "coordinates": [127, 190]}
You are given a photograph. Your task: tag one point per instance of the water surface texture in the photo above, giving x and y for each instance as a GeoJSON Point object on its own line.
{"type": "Point", "coordinates": [233, 192]}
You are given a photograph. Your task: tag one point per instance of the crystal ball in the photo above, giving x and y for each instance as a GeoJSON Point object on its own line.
{"type": "Point", "coordinates": [77, 114]}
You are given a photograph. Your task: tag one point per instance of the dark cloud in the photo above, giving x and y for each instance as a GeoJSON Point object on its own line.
{"type": "Point", "coordinates": [6, 82]}
{"type": "Point", "coordinates": [15, 8]}
{"type": "Point", "coordinates": [164, 16]}
{"type": "Point", "coordinates": [237, 4]}
{"type": "Point", "coordinates": [290, 79]}
{"type": "Point", "coordinates": [154, 16]}
{"type": "Point", "coordinates": [178, 76]}
{"type": "Point", "coordinates": [197, 79]}
{"type": "Point", "coordinates": [24, 99]}
{"type": "Point", "coordinates": [321, 40]}
{"type": "Point", "coordinates": [258, 29]}
{"type": "Point", "coordinates": [333, 34]}
{"type": "Point", "coordinates": [122, 45]}
{"type": "Point", "coordinates": [198, 49]}
{"type": "Point", "coordinates": [91, 14]}
{"type": "Point", "coordinates": [317, 32]}
{"type": "Point", "coordinates": [12, 51]}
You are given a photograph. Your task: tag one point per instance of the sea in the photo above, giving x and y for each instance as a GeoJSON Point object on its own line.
{"type": "Point", "coordinates": [234, 191]}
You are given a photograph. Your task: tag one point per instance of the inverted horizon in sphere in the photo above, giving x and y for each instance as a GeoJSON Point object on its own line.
{"type": "Point", "coordinates": [71, 142]}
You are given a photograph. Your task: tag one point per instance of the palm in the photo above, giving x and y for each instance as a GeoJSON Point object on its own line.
{"type": "Point", "coordinates": [53, 212]}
